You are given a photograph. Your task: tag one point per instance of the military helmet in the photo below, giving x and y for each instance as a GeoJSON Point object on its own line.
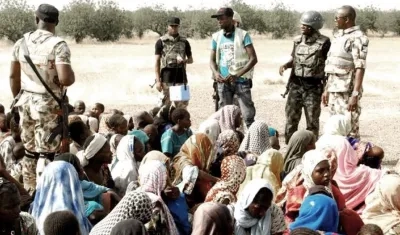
{"type": "Point", "coordinates": [313, 19]}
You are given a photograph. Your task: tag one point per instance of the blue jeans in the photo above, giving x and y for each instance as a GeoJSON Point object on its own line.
{"type": "Point", "coordinates": [226, 92]}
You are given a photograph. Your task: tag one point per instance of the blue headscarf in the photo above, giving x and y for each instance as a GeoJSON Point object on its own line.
{"type": "Point", "coordinates": [59, 189]}
{"type": "Point", "coordinates": [318, 212]}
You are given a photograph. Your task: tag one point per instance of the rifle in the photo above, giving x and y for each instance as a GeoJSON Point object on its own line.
{"type": "Point", "coordinates": [62, 127]}
{"type": "Point", "coordinates": [215, 96]}
{"type": "Point", "coordinates": [288, 83]}
{"type": "Point", "coordinates": [13, 110]}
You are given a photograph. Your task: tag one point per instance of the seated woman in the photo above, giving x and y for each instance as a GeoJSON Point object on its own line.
{"type": "Point", "coordinates": [59, 189]}
{"type": "Point", "coordinates": [227, 145]}
{"type": "Point", "coordinates": [212, 219]}
{"type": "Point", "coordinates": [173, 139]}
{"type": "Point", "coordinates": [94, 158]}
{"type": "Point", "coordinates": [256, 139]}
{"type": "Point", "coordinates": [383, 205]}
{"type": "Point", "coordinates": [318, 212]}
{"type": "Point", "coordinates": [354, 181]}
{"type": "Point", "coordinates": [300, 142]}
{"type": "Point", "coordinates": [269, 166]}
{"type": "Point", "coordinates": [228, 117]}
{"type": "Point", "coordinates": [142, 137]}
{"type": "Point", "coordinates": [368, 153]}
{"type": "Point", "coordinates": [317, 172]}
{"type": "Point", "coordinates": [190, 169]}
{"type": "Point", "coordinates": [134, 205]}
{"type": "Point", "coordinates": [153, 180]}
{"type": "Point", "coordinates": [124, 170]}
{"type": "Point", "coordinates": [99, 200]}
{"type": "Point", "coordinates": [12, 220]}
{"type": "Point", "coordinates": [111, 124]}
{"type": "Point", "coordinates": [224, 191]}
{"type": "Point", "coordinates": [114, 142]}
{"type": "Point", "coordinates": [255, 212]}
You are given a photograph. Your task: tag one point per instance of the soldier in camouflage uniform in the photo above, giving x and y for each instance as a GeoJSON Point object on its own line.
{"type": "Point", "coordinates": [345, 68]}
{"type": "Point", "coordinates": [173, 52]}
{"type": "Point", "coordinates": [37, 108]}
{"type": "Point", "coordinates": [306, 80]}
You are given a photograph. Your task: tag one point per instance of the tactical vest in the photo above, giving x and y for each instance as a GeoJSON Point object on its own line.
{"type": "Point", "coordinates": [339, 60]}
{"type": "Point", "coordinates": [42, 54]}
{"type": "Point", "coordinates": [309, 60]}
{"type": "Point", "coordinates": [172, 48]}
{"type": "Point", "coordinates": [241, 58]}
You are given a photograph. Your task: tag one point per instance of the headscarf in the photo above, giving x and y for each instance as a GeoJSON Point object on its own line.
{"type": "Point", "coordinates": [296, 148]}
{"type": "Point", "coordinates": [268, 167]}
{"type": "Point", "coordinates": [233, 171]}
{"type": "Point", "coordinates": [226, 117]}
{"type": "Point", "coordinates": [243, 219]}
{"type": "Point", "coordinates": [355, 182]}
{"type": "Point", "coordinates": [197, 151]}
{"type": "Point", "coordinates": [134, 205]}
{"type": "Point", "coordinates": [310, 160]}
{"type": "Point", "coordinates": [140, 135]}
{"type": "Point", "coordinates": [59, 189]}
{"type": "Point", "coordinates": [211, 128]}
{"type": "Point", "coordinates": [92, 149]}
{"type": "Point", "coordinates": [125, 167]}
{"type": "Point", "coordinates": [228, 143]}
{"type": "Point", "coordinates": [114, 144]}
{"type": "Point", "coordinates": [256, 139]}
{"type": "Point", "coordinates": [153, 180]}
{"type": "Point", "coordinates": [318, 212]}
{"type": "Point", "coordinates": [129, 227]}
{"type": "Point", "coordinates": [383, 204]}
{"type": "Point", "coordinates": [338, 125]}
{"type": "Point", "coordinates": [156, 155]}
{"type": "Point", "coordinates": [212, 219]}
{"type": "Point", "coordinates": [164, 115]}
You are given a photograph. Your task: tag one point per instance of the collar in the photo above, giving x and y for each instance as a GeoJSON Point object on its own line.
{"type": "Point", "coordinates": [312, 38]}
{"type": "Point", "coordinates": [342, 32]}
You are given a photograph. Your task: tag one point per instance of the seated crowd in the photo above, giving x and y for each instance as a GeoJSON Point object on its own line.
{"type": "Point", "coordinates": [150, 173]}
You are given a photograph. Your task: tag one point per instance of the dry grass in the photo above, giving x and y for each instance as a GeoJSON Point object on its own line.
{"type": "Point", "coordinates": [119, 74]}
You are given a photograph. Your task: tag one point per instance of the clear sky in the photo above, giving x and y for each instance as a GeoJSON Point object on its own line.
{"type": "Point", "coordinates": [300, 5]}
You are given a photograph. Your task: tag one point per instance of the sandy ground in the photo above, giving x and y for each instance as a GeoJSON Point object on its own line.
{"type": "Point", "coordinates": [119, 75]}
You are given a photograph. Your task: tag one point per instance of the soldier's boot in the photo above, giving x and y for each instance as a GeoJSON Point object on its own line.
{"type": "Point", "coordinates": [29, 163]}
{"type": "Point", "coordinates": [44, 159]}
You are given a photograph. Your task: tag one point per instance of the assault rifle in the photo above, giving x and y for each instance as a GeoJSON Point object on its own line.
{"type": "Point", "coordinates": [62, 127]}
{"type": "Point", "coordinates": [288, 83]}
{"type": "Point", "coordinates": [215, 96]}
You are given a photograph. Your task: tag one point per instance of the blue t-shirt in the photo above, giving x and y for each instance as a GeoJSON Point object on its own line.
{"type": "Point", "coordinates": [171, 142]}
{"type": "Point", "coordinates": [227, 53]}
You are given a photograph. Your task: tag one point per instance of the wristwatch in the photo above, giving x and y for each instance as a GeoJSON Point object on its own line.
{"type": "Point", "coordinates": [355, 93]}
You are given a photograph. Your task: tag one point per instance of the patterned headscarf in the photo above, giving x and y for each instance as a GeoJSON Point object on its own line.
{"type": "Point", "coordinates": [228, 143]}
{"type": "Point", "coordinates": [226, 117]}
{"type": "Point", "coordinates": [233, 171]}
{"type": "Point", "coordinates": [134, 205]}
{"type": "Point", "coordinates": [196, 151]}
{"type": "Point", "coordinates": [256, 139]}
{"type": "Point", "coordinates": [153, 180]}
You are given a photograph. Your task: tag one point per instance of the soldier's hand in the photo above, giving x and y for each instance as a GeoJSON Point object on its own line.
{"type": "Point", "coordinates": [159, 86]}
{"type": "Point", "coordinates": [352, 106]}
{"type": "Point", "coordinates": [325, 98]}
{"type": "Point", "coordinates": [282, 69]}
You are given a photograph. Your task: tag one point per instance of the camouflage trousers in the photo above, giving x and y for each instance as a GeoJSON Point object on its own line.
{"type": "Point", "coordinates": [301, 97]}
{"type": "Point", "coordinates": [338, 102]}
{"type": "Point", "coordinates": [165, 100]}
{"type": "Point", "coordinates": [37, 119]}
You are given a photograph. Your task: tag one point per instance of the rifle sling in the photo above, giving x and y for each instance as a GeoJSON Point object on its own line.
{"type": "Point", "coordinates": [30, 62]}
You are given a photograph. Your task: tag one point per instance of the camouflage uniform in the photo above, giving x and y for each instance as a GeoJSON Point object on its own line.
{"type": "Point", "coordinates": [306, 87]}
{"type": "Point", "coordinates": [172, 48]}
{"type": "Point", "coordinates": [37, 108]}
{"type": "Point", "coordinates": [348, 53]}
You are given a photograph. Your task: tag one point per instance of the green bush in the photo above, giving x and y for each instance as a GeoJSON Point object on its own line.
{"type": "Point", "coordinates": [281, 21]}
{"type": "Point", "coordinates": [16, 18]}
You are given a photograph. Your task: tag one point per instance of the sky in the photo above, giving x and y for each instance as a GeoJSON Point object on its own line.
{"type": "Point", "coordinates": [299, 5]}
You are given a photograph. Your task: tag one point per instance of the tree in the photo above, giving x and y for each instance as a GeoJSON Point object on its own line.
{"type": "Point", "coordinates": [150, 18]}
{"type": "Point", "coordinates": [395, 24]}
{"type": "Point", "coordinates": [367, 19]}
{"type": "Point", "coordinates": [76, 19]}
{"type": "Point", "coordinates": [281, 21]}
{"type": "Point", "coordinates": [16, 18]}
{"type": "Point", "coordinates": [108, 22]}
{"type": "Point", "coordinates": [252, 18]}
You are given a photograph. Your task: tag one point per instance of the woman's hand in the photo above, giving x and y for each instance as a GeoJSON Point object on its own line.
{"type": "Point", "coordinates": [172, 192]}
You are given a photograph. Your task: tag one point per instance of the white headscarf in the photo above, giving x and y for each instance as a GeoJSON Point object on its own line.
{"type": "Point", "coordinates": [211, 128]}
{"type": "Point", "coordinates": [310, 160]}
{"type": "Point", "coordinates": [243, 219]}
{"type": "Point", "coordinates": [125, 168]}
{"type": "Point", "coordinates": [92, 149]}
{"type": "Point", "coordinates": [338, 125]}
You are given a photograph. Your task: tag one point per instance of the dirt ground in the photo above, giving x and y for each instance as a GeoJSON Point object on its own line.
{"type": "Point", "coordinates": [119, 75]}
